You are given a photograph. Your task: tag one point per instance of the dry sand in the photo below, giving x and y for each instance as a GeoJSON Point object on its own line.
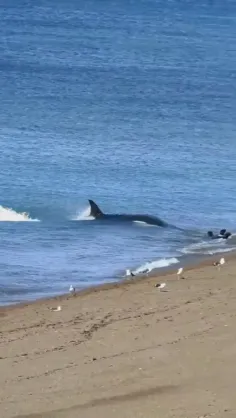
{"type": "Point", "coordinates": [125, 351]}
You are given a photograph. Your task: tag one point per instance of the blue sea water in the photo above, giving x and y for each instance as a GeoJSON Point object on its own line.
{"type": "Point", "coordinates": [129, 103]}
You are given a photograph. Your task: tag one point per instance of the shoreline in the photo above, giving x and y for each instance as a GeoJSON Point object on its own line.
{"type": "Point", "coordinates": [201, 261]}
{"type": "Point", "coordinates": [125, 349]}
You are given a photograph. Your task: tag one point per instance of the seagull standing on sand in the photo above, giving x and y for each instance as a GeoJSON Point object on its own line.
{"type": "Point", "coordinates": [71, 289]}
{"type": "Point", "coordinates": [219, 263]}
{"type": "Point", "coordinates": [179, 273]}
{"type": "Point", "coordinates": [58, 309]}
{"type": "Point", "coordinates": [222, 261]}
{"type": "Point", "coordinates": [160, 286]}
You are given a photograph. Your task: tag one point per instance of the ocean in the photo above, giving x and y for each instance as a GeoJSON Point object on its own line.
{"type": "Point", "coordinates": [131, 104]}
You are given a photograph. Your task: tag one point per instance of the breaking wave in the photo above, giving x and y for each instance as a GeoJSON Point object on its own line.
{"type": "Point", "coordinates": [153, 265]}
{"type": "Point", "coordinates": [10, 215]}
{"type": "Point", "coordinates": [211, 247]}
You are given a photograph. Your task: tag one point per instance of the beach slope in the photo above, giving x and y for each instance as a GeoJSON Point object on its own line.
{"type": "Point", "coordinates": [124, 351]}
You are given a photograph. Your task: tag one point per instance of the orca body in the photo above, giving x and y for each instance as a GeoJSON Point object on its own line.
{"type": "Point", "coordinates": [96, 212]}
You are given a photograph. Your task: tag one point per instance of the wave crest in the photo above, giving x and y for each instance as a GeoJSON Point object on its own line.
{"type": "Point", "coordinates": [163, 262]}
{"type": "Point", "coordinates": [153, 265]}
{"type": "Point", "coordinates": [10, 215]}
{"type": "Point", "coordinates": [209, 248]}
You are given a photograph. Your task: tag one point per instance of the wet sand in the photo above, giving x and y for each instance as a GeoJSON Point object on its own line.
{"type": "Point", "coordinates": [125, 350]}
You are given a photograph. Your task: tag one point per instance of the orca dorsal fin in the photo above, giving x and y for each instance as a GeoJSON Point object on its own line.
{"type": "Point", "coordinates": [95, 211]}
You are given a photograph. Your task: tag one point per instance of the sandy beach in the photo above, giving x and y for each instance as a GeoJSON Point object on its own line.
{"type": "Point", "coordinates": [125, 350]}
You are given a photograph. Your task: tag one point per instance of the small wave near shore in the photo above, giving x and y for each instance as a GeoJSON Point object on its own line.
{"type": "Point", "coordinates": [153, 265]}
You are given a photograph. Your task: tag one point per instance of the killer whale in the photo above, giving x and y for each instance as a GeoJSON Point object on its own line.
{"type": "Point", "coordinates": [96, 212]}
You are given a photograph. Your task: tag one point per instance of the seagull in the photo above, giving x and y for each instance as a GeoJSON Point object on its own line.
{"type": "Point", "coordinates": [57, 309]}
{"type": "Point", "coordinates": [71, 289]}
{"type": "Point", "coordinates": [222, 261]}
{"type": "Point", "coordinates": [219, 263]}
{"type": "Point", "coordinates": [179, 272]}
{"type": "Point", "coordinates": [160, 286]}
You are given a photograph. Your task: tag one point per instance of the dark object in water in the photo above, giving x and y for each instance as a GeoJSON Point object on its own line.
{"type": "Point", "coordinates": [212, 236]}
{"type": "Point", "coordinates": [222, 231]}
{"type": "Point", "coordinates": [223, 234]}
{"type": "Point", "coordinates": [227, 235]}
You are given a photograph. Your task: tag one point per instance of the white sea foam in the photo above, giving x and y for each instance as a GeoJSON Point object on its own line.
{"type": "Point", "coordinates": [10, 215]}
{"type": "Point", "coordinates": [206, 247]}
{"type": "Point", "coordinates": [83, 215]}
{"type": "Point", "coordinates": [152, 265]}
{"type": "Point", "coordinates": [201, 246]}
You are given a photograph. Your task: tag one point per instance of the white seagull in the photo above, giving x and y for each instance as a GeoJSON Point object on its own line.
{"type": "Point", "coordinates": [222, 261]}
{"type": "Point", "coordinates": [179, 272]}
{"type": "Point", "coordinates": [57, 309]}
{"type": "Point", "coordinates": [71, 289]}
{"type": "Point", "coordinates": [219, 263]}
{"type": "Point", "coordinates": [160, 286]}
